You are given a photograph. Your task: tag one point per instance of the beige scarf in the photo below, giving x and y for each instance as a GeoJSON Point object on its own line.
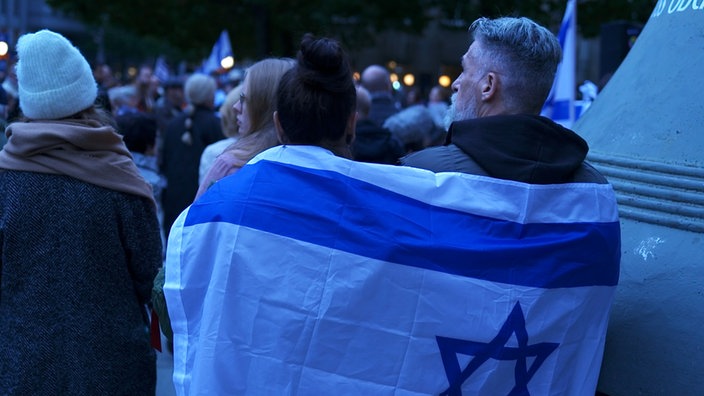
{"type": "Point", "coordinates": [82, 149]}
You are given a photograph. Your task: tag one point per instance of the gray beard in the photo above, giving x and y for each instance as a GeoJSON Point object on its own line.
{"type": "Point", "coordinates": [453, 114]}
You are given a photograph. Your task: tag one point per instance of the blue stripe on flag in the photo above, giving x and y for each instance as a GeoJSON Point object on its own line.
{"type": "Point", "coordinates": [561, 110]}
{"type": "Point", "coordinates": [329, 209]}
{"type": "Point", "coordinates": [560, 103]}
{"type": "Point", "coordinates": [565, 25]}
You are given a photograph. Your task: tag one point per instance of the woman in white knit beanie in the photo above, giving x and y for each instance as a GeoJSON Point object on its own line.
{"type": "Point", "coordinates": [79, 236]}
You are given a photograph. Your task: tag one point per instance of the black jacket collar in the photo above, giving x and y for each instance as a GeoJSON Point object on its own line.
{"type": "Point", "coordinates": [526, 148]}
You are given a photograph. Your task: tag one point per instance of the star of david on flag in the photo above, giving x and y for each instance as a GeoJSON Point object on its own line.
{"type": "Point", "coordinates": [495, 349]}
{"type": "Point", "coordinates": [305, 273]}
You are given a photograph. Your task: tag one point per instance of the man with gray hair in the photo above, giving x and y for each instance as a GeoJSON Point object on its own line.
{"type": "Point", "coordinates": [496, 129]}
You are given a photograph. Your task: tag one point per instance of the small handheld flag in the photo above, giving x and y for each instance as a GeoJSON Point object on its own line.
{"type": "Point", "coordinates": [161, 69]}
{"type": "Point", "coordinates": [221, 51]}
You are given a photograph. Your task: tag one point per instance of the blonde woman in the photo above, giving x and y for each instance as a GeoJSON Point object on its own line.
{"type": "Point", "coordinates": [254, 110]}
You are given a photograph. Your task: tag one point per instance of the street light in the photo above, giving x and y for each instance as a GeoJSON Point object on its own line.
{"type": "Point", "coordinates": [227, 62]}
{"type": "Point", "coordinates": [4, 48]}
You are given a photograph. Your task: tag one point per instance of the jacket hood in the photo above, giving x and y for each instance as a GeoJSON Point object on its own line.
{"type": "Point", "coordinates": [524, 147]}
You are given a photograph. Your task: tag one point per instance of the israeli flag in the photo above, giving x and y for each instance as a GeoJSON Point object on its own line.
{"type": "Point", "coordinates": [221, 50]}
{"type": "Point", "coordinates": [560, 105]}
{"type": "Point", "coordinates": [309, 274]}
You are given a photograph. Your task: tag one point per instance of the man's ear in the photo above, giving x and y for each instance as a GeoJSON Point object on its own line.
{"type": "Point", "coordinates": [490, 86]}
{"type": "Point", "coordinates": [283, 139]}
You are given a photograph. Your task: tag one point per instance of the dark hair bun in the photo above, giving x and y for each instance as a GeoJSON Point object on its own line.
{"type": "Point", "coordinates": [323, 64]}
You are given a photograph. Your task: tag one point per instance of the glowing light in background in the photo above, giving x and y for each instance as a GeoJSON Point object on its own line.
{"type": "Point", "coordinates": [444, 81]}
{"type": "Point", "coordinates": [409, 79]}
{"type": "Point", "coordinates": [227, 62]}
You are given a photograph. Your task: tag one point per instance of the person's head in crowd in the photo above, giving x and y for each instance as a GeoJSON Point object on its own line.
{"type": "Point", "coordinates": [372, 143]}
{"type": "Point", "coordinates": [173, 92]}
{"type": "Point", "coordinates": [9, 85]}
{"type": "Point", "coordinates": [49, 89]}
{"type": "Point", "coordinates": [438, 105]}
{"type": "Point", "coordinates": [123, 99]}
{"type": "Point", "coordinates": [376, 78]}
{"type": "Point", "coordinates": [138, 131]}
{"type": "Point", "coordinates": [317, 98]}
{"type": "Point", "coordinates": [200, 90]}
{"type": "Point", "coordinates": [257, 100]}
{"type": "Point", "coordinates": [144, 75]}
{"type": "Point", "coordinates": [103, 76]}
{"type": "Point", "coordinates": [147, 88]}
{"type": "Point", "coordinates": [439, 94]}
{"type": "Point", "coordinates": [364, 103]}
{"type": "Point", "coordinates": [413, 127]}
{"type": "Point", "coordinates": [377, 81]}
{"type": "Point", "coordinates": [228, 116]}
{"type": "Point", "coordinates": [412, 97]}
{"type": "Point", "coordinates": [509, 68]}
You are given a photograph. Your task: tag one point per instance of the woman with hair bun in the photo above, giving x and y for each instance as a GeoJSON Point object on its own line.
{"type": "Point", "coordinates": [317, 99]}
{"type": "Point", "coordinates": [241, 314]}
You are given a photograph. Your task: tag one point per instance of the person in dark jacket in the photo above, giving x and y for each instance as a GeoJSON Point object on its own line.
{"type": "Point", "coordinates": [377, 81]}
{"type": "Point", "coordinates": [187, 135]}
{"type": "Point", "coordinates": [79, 238]}
{"type": "Point", "coordinates": [373, 143]}
{"type": "Point", "coordinates": [496, 128]}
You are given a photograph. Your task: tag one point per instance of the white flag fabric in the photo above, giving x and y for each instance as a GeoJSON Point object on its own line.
{"type": "Point", "coordinates": [560, 105]}
{"type": "Point", "coordinates": [307, 274]}
{"type": "Point", "coordinates": [221, 50]}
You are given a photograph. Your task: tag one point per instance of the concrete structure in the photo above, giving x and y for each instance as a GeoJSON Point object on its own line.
{"type": "Point", "coordinates": [645, 131]}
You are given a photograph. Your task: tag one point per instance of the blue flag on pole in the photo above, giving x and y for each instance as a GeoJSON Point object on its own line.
{"type": "Point", "coordinates": [305, 273]}
{"type": "Point", "coordinates": [560, 105]}
{"type": "Point", "coordinates": [221, 50]}
{"type": "Point", "coordinates": [161, 69]}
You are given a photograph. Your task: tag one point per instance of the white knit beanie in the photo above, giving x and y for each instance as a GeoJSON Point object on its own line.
{"type": "Point", "coordinates": [54, 79]}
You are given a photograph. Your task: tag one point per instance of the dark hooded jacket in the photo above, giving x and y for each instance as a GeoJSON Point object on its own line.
{"type": "Point", "coordinates": [524, 148]}
{"type": "Point", "coordinates": [373, 143]}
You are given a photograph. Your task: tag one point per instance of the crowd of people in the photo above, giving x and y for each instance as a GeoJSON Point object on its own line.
{"type": "Point", "coordinates": [308, 234]}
